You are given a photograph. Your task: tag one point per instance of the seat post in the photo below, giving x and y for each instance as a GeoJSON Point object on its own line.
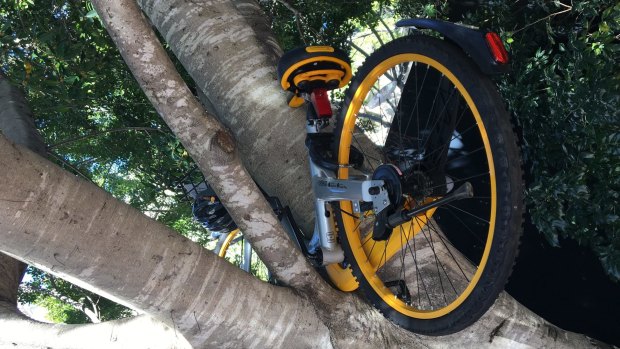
{"type": "Point", "coordinates": [320, 102]}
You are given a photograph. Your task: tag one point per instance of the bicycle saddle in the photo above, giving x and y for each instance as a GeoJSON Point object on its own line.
{"type": "Point", "coordinates": [305, 69]}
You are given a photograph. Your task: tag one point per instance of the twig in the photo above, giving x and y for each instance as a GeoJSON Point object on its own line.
{"type": "Point", "coordinates": [174, 326]}
{"type": "Point", "coordinates": [290, 7]}
{"type": "Point", "coordinates": [301, 35]}
{"type": "Point", "coordinates": [298, 16]}
{"type": "Point", "coordinates": [374, 31]}
{"type": "Point", "coordinates": [20, 201]}
{"type": "Point", "coordinates": [568, 8]}
{"type": "Point", "coordinates": [358, 49]}
{"type": "Point", "coordinates": [387, 28]}
{"type": "Point", "coordinates": [197, 324]}
{"type": "Point", "coordinates": [83, 162]}
{"type": "Point", "coordinates": [96, 134]}
{"type": "Point", "coordinates": [66, 163]}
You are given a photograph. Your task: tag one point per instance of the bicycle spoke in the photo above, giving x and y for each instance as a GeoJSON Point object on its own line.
{"type": "Point", "coordinates": [431, 224]}
{"type": "Point", "coordinates": [417, 268]}
{"type": "Point", "coordinates": [468, 154]}
{"type": "Point", "coordinates": [439, 264]}
{"type": "Point", "coordinates": [464, 225]}
{"type": "Point", "coordinates": [460, 180]}
{"type": "Point", "coordinates": [468, 213]}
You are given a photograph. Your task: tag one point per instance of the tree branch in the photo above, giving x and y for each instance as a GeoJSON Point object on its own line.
{"type": "Point", "coordinates": [290, 8]}
{"type": "Point", "coordinates": [97, 134]}
{"type": "Point", "coordinates": [298, 17]}
{"type": "Point", "coordinates": [261, 24]}
{"type": "Point", "coordinates": [139, 262]}
{"type": "Point", "coordinates": [568, 8]}
{"type": "Point", "coordinates": [92, 313]}
{"type": "Point", "coordinates": [68, 164]}
{"type": "Point", "coordinates": [139, 332]}
{"type": "Point", "coordinates": [78, 306]}
{"type": "Point", "coordinates": [359, 49]}
{"type": "Point", "coordinates": [374, 31]}
{"type": "Point", "coordinates": [388, 29]}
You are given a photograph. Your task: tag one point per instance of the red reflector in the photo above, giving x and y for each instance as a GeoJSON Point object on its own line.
{"type": "Point", "coordinates": [497, 47]}
{"type": "Point", "coordinates": [320, 101]}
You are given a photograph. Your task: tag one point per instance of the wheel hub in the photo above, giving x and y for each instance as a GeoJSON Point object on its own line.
{"type": "Point", "coordinates": [392, 177]}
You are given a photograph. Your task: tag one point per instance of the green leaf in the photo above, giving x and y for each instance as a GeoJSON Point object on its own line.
{"type": "Point", "coordinates": [71, 79]}
{"type": "Point", "coordinates": [92, 14]}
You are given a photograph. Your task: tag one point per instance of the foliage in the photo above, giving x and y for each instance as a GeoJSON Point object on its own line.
{"type": "Point", "coordinates": [61, 312]}
{"type": "Point", "coordinates": [320, 22]}
{"type": "Point", "coordinates": [235, 254]}
{"type": "Point", "coordinates": [563, 92]}
{"type": "Point", "coordinates": [66, 302]}
{"type": "Point", "coordinates": [87, 105]}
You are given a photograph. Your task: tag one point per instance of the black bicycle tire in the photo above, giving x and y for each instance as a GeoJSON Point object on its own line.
{"type": "Point", "coordinates": [504, 147]}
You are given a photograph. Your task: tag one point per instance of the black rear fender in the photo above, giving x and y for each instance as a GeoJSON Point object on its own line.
{"type": "Point", "coordinates": [469, 39]}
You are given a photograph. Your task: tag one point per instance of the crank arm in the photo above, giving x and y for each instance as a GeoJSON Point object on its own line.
{"type": "Point", "coordinates": [331, 189]}
{"type": "Point", "coordinates": [465, 191]}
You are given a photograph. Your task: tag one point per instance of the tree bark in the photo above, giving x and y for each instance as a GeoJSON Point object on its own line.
{"type": "Point", "coordinates": [258, 21]}
{"type": "Point", "coordinates": [231, 80]}
{"type": "Point", "coordinates": [11, 272]}
{"type": "Point", "coordinates": [17, 124]}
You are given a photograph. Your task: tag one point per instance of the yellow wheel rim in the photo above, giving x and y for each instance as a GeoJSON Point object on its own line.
{"type": "Point", "coordinates": [229, 238]}
{"type": "Point", "coordinates": [366, 261]}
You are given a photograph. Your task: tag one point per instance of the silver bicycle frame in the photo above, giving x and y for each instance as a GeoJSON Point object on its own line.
{"type": "Point", "coordinates": [327, 188]}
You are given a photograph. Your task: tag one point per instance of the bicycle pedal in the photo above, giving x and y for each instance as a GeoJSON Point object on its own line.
{"type": "Point", "coordinates": [316, 259]}
{"type": "Point", "coordinates": [403, 290]}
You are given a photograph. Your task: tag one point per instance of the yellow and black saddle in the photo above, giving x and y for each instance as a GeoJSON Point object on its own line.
{"type": "Point", "coordinates": [305, 69]}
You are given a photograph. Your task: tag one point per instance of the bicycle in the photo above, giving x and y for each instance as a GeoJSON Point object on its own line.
{"type": "Point", "coordinates": [418, 187]}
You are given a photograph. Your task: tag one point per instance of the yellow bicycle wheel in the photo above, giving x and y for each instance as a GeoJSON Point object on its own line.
{"type": "Point", "coordinates": [428, 121]}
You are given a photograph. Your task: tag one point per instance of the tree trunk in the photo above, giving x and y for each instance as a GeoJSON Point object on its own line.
{"type": "Point", "coordinates": [11, 272]}
{"type": "Point", "coordinates": [17, 124]}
